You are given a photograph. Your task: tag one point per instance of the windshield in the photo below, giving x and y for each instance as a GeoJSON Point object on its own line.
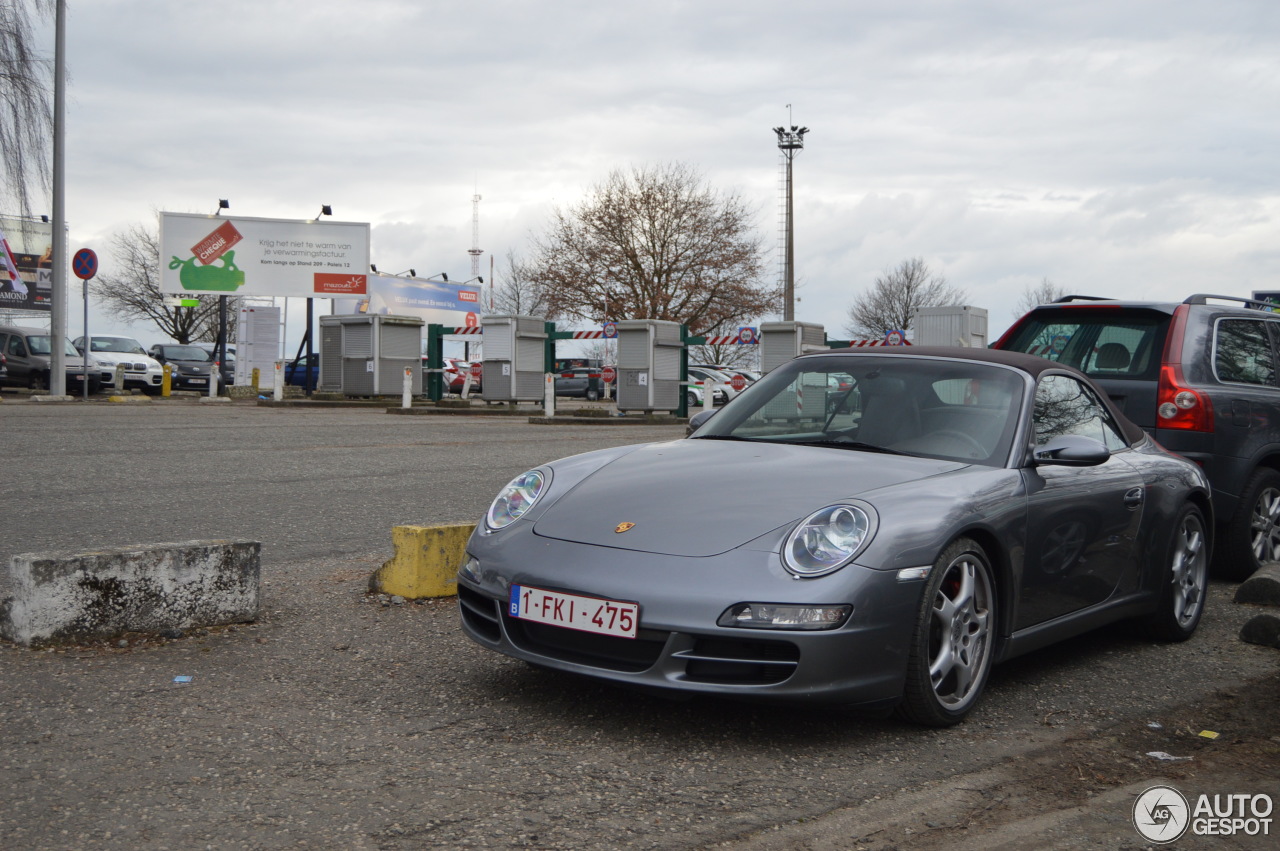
{"type": "Point", "coordinates": [120, 345]}
{"type": "Point", "coordinates": [186, 353]}
{"type": "Point", "coordinates": [39, 344]}
{"type": "Point", "coordinates": [937, 408]}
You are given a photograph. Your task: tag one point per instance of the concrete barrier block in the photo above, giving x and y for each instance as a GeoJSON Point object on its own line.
{"type": "Point", "coordinates": [1262, 629]}
{"type": "Point", "coordinates": [425, 563]}
{"type": "Point", "coordinates": [69, 597]}
{"type": "Point", "coordinates": [1262, 587]}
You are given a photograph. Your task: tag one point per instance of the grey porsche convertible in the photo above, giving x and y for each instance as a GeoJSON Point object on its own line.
{"type": "Point", "coordinates": [869, 527]}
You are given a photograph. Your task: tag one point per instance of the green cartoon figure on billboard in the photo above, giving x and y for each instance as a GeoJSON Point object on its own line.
{"type": "Point", "coordinates": [222, 274]}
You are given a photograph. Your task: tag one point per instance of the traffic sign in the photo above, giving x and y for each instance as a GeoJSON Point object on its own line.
{"type": "Point", "coordinates": [738, 382]}
{"type": "Point", "coordinates": [608, 374]}
{"type": "Point", "coordinates": [610, 330]}
{"type": "Point", "coordinates": [85, 264]}
{"type": "Point", "coordinates": [477, 369]}
{"type": "Point", "coordinates": [747, 336]}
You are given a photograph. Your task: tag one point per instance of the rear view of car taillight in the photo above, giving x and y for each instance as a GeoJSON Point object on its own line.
{"type": "Point", "coordinates": [1180, 407]}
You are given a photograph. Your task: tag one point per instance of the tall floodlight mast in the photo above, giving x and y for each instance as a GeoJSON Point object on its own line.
{"type": "Point", "coordinates": [790, 142]}
{"type": "Point", "coordinates": [475, 251]}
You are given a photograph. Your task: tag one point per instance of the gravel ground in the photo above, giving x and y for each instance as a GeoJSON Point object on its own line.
{"type": "Point", "coordinates": [337, 722]}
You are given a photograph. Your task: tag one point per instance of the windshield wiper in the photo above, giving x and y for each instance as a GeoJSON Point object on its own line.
{"type": "Point", "coordinates": [851, 444]}
{"type": "Point", "coordinates": [726, 437]}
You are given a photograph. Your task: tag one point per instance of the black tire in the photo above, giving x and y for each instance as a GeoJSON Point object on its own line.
{"type": "Point", "coordinates": [952, 646]}
{"type": "Point", "coordinates": [38, 381]}
{"type": "Point", "coordinates": [592, 395]}
{"type": "Point", "coordinates": [1184, 579]}
{"type": "Point", "coordinates": [1252, 536]}
{"type": "Point", "coordinates": [690, 400]}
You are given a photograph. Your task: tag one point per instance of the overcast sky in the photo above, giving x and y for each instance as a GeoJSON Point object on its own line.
{"type": "Point", "coordinates": [1122, 148]}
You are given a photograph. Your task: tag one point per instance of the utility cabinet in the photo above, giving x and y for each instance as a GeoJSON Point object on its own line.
{"type": "Point", "coordinates": [364, 355]}
{"type": "Point", "coordinates": [953, 325]}
{"type": "Point", "coordinates": [514, 358]}
{"type": "Point", "coordinates": [782, 341]}
{"type": "Point", "coordinates": [649, 365]}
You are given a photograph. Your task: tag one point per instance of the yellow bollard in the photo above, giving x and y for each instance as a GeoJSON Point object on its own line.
{"type": "Point", "coordinates": [255, 381]}
{"type": "Point", "coordinates": [425, 563]}
{"type": "Point", "coordinates": [166, 384]}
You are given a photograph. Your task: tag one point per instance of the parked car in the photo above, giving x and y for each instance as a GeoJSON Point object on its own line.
{"type": "Point", "coordinates": [29, 357]}
{"type": "Point", "coordinates": [302, 371]}
{"type": "Point", "coordinates": [456, 371]}
{"type": "Point", "coordinates": [192, 365]}
{"type": "Point", "coordinates": [698, 378]}
{"type": "Point", "coordinates": [951, 509]}
{"type": "Point", "coordinates": [227, 367]}
{"type": "Point", "coordinates": [1201, 377]}
{"type": "Point", "coordinates": [110, 352]}
{"type": "Point", "coordinates": [583, 381]}
{"type": "Point", "coordinates": [722, 380]}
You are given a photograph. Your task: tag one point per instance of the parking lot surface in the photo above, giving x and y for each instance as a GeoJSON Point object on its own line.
{"type": "Point", "coordinates": [340, 720]}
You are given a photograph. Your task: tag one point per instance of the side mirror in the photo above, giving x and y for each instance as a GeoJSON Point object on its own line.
{"type": "Point", "coordinates": [697, 420]}
{"type": "Point", "coordinates": [1072, 450]}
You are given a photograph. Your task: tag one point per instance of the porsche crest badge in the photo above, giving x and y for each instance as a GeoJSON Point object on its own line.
{"type": "Point", "coordinates": [623, 527]}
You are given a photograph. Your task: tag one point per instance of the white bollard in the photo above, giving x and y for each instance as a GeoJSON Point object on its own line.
{"type": "Point", "coordinates": [277, 392]}
{"type": "Point", "coordinates": [119, 378]}
{"type": "Point", "coordinates": [466, 386]}
{"type": "Point", "coordinates": [406, 388]}
{"type": "Point", "coordinates": [549, 395]}
{"type": "Point", "coordinates": [214, 374]}
{"type": "Point", "coordinates": [708, 396]}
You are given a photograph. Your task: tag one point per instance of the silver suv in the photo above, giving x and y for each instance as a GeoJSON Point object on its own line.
{"type": "Point", "coordinates": [1201, 376]}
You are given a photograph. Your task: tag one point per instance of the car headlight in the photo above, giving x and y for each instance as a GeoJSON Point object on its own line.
{"type": "Point", "coordinates": [516, 498]}
{"type": "Point", "coordinates": [828, 539]}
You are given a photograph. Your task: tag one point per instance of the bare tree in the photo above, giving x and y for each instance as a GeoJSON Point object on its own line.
{"type": "Point", "coordinates": [896, 295]}
{"type": "Point", "coordinates": [26, 119]}
{"type": "Point", "coordinates": [654, 243]}
{"type": "Point", "coordinates": [516, 293]}
{"type": "Point", "coordinates": [1042, 293]}
{"type": "Point", "coordinates": [133, 293]}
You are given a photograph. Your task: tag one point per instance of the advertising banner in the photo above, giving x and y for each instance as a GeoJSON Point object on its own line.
{"type": "Point", "coordinates": [434, 302]}
{"type": "Point", "coordinates": [234, 255]}
{"type": "Point", "coordinates": [26, 250]}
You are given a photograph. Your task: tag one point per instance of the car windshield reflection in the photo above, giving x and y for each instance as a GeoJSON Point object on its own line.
{"type": "Point", "coordinates": [947, 409]}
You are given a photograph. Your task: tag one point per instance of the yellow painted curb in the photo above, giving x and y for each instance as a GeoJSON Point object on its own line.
{"type": "Point", "coordinates": [133, 399]}
{"type": "Point", "coordinates": [425, 563]}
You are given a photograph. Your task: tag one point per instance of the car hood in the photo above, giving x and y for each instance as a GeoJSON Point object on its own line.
{"type": "Point", "coordinates": [123, 357]}
{"type": "Point", "coordinates": [705, 497]}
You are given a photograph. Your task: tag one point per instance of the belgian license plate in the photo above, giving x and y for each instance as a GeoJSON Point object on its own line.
{"type": "Point", "coordinates": [199, 380]}
{"type": "Point", "coordinates": [588, 614]}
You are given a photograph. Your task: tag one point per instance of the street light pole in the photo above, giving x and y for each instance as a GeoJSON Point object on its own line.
{"type": "Point", "coordinates": [58, 309]}
{"type": "Point", "coordinates": [790, 142]}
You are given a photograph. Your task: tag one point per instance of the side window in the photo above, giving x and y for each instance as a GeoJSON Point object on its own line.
{"type": "Point", "coordinates": [1065, 406]}
{"type": "Point", "coordinates": [1242, 352]}
{"type": "Point", "coordinates": [15, 347]}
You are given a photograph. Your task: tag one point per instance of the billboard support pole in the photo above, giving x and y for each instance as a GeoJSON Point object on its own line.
{"type": "Point", "coordinates": [58, 309]}
{"type": "Point", "coordinates": [307, 338]}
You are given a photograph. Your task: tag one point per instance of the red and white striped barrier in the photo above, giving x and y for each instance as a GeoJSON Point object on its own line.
{"type": "Point", "coordinates": [470, 329]}
{"type": "Point", "coordinates": [588, 335]}
{"type": "Point", "coordinates": [858, 344]}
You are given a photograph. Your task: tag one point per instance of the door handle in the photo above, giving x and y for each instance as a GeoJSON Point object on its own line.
{"type": "Point", "coordinates": [1133, 498]}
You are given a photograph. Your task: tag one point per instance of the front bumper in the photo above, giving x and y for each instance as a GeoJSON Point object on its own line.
{"type": "Point", "coordinates": [146, 380]}
{"type": "Point", "coordinates": [679, 647]}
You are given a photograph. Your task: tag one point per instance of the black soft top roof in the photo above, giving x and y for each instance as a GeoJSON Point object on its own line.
{"type": "Point", "coordinates": [1030, 364]}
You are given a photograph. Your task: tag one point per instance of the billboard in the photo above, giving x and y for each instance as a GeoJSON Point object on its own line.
{"type": "Point", "coordinates": [30, 245]}
{"type": "Point", "coordinates": [434, 302]}
{"type": "Point", "coordinates": [235, 255]}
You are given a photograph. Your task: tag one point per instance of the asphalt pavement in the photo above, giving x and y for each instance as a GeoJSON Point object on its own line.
{"type": "Point", "coordinates": [341, 720]}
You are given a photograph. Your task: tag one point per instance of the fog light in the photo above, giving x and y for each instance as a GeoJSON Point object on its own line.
{"type": "Point", "coordinates": [781, 616]}
{"type": "Point", "coordinates": [470, 569]}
